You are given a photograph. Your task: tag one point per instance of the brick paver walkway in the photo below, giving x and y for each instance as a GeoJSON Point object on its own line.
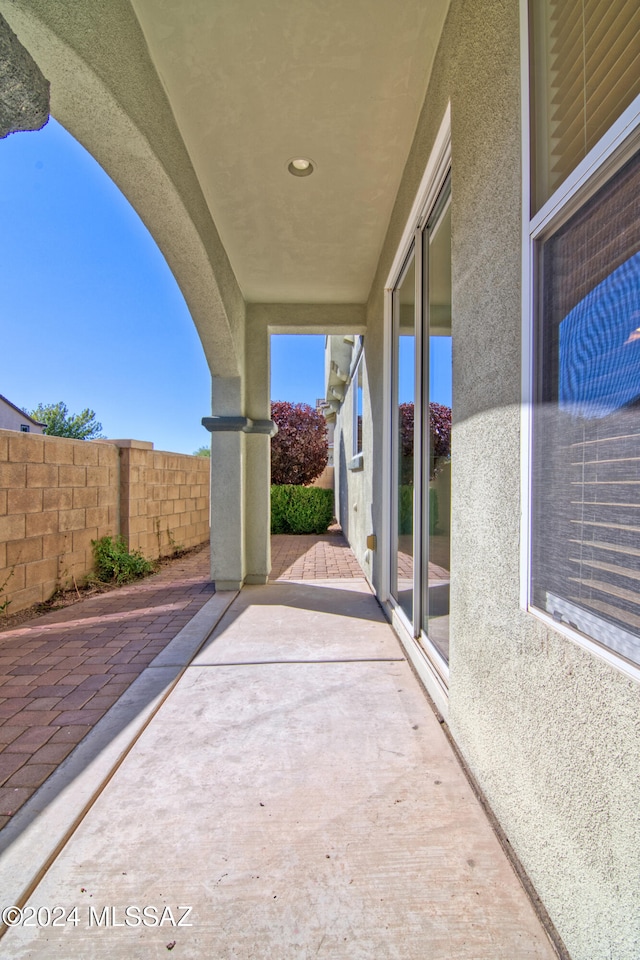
{"type": "Point", "coordinates": [61, 672]}
{"type": "Point", "coordinates": [324, 557]}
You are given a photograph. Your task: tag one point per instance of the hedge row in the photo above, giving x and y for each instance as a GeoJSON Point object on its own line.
{"type": "Point", "coordinates": [405, 512]}
{"type": "Point", "coordinates": [296, 509]}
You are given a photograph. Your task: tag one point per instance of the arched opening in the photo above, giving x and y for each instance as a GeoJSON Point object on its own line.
{"type": "Point", "coordinates": [106, 92]}
{"type": "Point", "coordinates": [118, 111]}
{"type": "Point", "coordinates": [94, 315]}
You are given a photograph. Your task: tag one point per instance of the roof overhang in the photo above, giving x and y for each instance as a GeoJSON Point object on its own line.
{"type": "Point", "coordinates": [252, 86]}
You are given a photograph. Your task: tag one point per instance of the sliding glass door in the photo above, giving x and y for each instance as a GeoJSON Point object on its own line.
{"type": "Point", "coordinates": [437, 367]}
{"type": "Point", "coordinates": [404, 334]}
{"type": "Point", "coordinates": [421, 359]}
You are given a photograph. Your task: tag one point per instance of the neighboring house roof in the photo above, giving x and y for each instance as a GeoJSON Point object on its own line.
{"type": "Point", "coordinates": [21, 412]}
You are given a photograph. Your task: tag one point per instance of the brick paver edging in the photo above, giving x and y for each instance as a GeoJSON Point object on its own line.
{"type": "Point", "coordinates": [60, 673]}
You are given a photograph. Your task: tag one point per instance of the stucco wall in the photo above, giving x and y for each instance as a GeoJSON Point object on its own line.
{"type": "Point", "coordinates": [549, 730]}
{"type": "Point", "coordinates": [354, 500]}
{"type": "Point", "coordinates": [58, 495]}
{"type": "Point", "coordinates": [325, 480]}
{"type": "Point", "coordinates": [24, 92]}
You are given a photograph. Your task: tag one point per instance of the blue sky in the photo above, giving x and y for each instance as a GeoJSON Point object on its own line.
{"type": "Point", "coordinates": [91, 314]}
{"type": "Point", "coordinates": [297, 368]}
{"type": "Point", "coordinates": [439, 370]}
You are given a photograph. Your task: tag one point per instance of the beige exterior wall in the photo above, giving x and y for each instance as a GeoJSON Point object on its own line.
{"type": "Point", "coordinates": [58, 495]}
{"type": "Point", "coordinates": [325, 480]}
{"type": "Point", "coordinates": [353, 486]}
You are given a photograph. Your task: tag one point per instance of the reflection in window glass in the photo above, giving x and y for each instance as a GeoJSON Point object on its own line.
{"type": "Point", "coordinates": [438, 514]}
{"type": "Point", "coordinates": [404, 375]}
{"type": "Point", "coordinates": [357, 407]}
{"type": "Point", "coordinates": [586, 519]}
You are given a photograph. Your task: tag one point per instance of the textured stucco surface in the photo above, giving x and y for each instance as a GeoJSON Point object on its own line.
{"type": "Point", "coordinates": [550, 731]}
{"type": "Point", "coordinates": [106, 92]}
{"type": "Point", "coordinates": [354, 501]}
{"type": "Point", "coordinates": [257, 404]}
{"type": "Point", "coordinates": [324, 318]}
{"type": "Point", "coordinates": [24, 91]}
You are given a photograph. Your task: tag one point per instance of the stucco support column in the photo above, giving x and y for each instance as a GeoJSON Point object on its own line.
{"type": "Point", "coordinates": [227, 486]}
{"type": "Point", "coordinates": [240, 546]}
{"type": "Point", "coordinates": [258, 455]}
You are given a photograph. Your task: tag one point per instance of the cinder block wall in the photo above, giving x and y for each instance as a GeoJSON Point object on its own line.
{"type": "Point", "coordinates": [58, 495]}
{"type": "Point", "coordinates": [164, 499]}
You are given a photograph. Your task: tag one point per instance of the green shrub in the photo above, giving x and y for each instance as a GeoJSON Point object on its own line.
{"type": "Point", "coordinates": [296, 509]}
{"type": "Point", "coordinates": [405, 511]}
{"type": "Point", "coordinates": [433, 510]}
{"type": "Point", "coordinates": [405, 518]}
{"type": "Point", "coordinates": [114, 563]}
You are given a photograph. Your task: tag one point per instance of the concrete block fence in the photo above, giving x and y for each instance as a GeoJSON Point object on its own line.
{"type": "Point", "coordinates": [58, 495]}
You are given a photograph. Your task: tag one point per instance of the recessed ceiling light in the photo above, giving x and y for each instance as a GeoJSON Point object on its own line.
{"type": "Point", "coordinates": [301, 167]}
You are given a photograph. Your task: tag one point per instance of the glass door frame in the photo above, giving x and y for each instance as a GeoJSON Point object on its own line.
{"type": "Point", "coordinates": [414, 255]}
{"type": "Point", "coordinates": [430, 665]}
{"type": "Point", "coordinates": [430, 227]}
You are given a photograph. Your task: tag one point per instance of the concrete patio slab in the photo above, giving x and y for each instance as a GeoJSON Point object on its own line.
{"type": "Point", "coordinates": [301, 809]}
{"type": "Point", "coordinates": [306, 621]}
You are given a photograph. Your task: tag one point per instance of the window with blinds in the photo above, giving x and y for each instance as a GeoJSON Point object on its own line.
{"type": "Point", "coordinates": [586, 464]}
{"type": "Point", "coordinates": [585, 58]}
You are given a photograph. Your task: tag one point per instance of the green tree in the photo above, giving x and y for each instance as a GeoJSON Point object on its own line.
{"type": "Point", "coordinates": [299, 450]}
{"type": "Point", "coordinates": [60, 423]}
{"type": "Point", "coordinates": [202, 452]}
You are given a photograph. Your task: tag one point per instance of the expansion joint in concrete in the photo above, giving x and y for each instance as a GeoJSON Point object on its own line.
{"type": "Point", "coordinates": [307, 663]}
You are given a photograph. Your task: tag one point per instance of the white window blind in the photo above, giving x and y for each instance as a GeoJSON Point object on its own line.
{"type": "Point", "coordinates": [585, 73]}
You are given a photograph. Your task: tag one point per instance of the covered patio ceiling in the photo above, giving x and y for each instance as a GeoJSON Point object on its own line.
{"type": "Point", "coordinates": [253, 85]}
